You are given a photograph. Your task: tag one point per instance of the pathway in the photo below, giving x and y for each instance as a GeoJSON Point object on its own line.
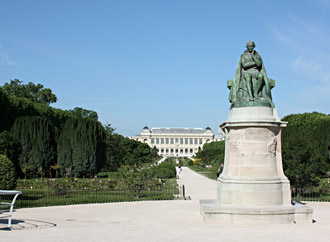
{"type": "Point", "coordinates": [196, 185]}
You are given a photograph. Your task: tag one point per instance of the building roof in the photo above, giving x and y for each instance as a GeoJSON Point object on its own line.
{"type": "Point", "coordinates": [177, 130]}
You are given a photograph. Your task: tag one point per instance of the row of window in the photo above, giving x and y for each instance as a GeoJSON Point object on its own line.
{"type": "Point", "coordinates": [176, 140]}
{"type": "Point", "coordinates": [176, 151]}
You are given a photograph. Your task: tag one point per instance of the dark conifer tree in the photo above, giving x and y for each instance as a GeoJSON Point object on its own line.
{"type": "Point", "coordinates": [37, 140]}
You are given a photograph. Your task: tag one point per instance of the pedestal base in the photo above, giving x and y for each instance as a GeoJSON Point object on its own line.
{"type": "Point", "coordinates": [213, 212]}
{"type": "Point", "coordinates": [252, 187]}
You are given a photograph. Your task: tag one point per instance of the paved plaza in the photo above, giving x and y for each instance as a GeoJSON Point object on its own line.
{"type": "Point", "coordinates": [177, 220]}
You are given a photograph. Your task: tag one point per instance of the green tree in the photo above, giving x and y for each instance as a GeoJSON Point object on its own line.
{"type": "Point", "coordinates": [306, 122]}
{"type": "Point", "coordinates": [114, 151]}
{"type": "Point", "coordinates": [212, 153]}
{"type": "Point", "coordinates": [52, 141]}
{"type": "Point", "coordinates": [36, 136]}
{"type": "Point", "coordinates": [5, 111]}
{"type": "Point", "coordinates": [305, 148]}
{"type": "Point", "coordinates": [81, 148]}
{"type": "Point", "coordinates": [10, 147]}
{"type": "Point", "coordinates": [34, 92]}
{"type": "Point", "coordinates": [84, 113]}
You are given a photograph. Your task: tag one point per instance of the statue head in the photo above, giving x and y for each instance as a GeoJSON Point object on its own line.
{"type": "Point", "coordinates": [250, 45]}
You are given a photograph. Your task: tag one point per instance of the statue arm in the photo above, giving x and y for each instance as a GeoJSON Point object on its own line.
{"type": "Point", "coordinates": [247, 64]}
{"type": "Point", "coordinates": [257, 59]}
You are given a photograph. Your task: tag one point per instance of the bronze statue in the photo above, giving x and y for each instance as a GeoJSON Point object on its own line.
{"type": "Point", "coordinates": [251, 86]}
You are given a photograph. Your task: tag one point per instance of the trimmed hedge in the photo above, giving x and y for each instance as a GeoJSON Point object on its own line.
{"type": "Point", "coordinates": [7, 174]}
{"type": "Point", "coordinates": [165, 170]}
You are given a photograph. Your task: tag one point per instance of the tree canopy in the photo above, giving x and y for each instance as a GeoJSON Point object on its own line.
{"type": "Point", "coordinates": [212, 153]}
{"type": "Point", "coordinates": [306, 147]}
{"type": "Point", "coordinates": [34, 92]}
{"type": "Point", "coordinates": [84, 113]}
{"type": "Point", "coordinates": [45, 141]}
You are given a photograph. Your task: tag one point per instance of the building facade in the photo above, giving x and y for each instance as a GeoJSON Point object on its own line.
{"type": "Point", "coordinates": [176, 141]}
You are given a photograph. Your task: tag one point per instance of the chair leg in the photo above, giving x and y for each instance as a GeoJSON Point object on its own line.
{"type": "Point", "coordinates": [11, 210]}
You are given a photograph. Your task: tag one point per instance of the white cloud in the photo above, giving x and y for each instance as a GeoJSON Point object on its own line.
{"type": "Point", "coordinates": [4, 58]}
{"type": "Point", "coordinates": [322, 3]}
{"type": "Point", "coordinates": [301, 36]}
{"type": "Point", "coordinates": [313, 69]}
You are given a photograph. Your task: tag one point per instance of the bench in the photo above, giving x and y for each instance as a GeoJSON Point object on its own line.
{"type": "Point", "coordinates": [10, 206]}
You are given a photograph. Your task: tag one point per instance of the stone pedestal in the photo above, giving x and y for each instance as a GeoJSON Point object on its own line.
{"type": "Point", "coordinates": [253, 187]}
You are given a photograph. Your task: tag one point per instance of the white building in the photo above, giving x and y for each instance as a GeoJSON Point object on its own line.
{"type": "Point", "coordinates": [176, 141]}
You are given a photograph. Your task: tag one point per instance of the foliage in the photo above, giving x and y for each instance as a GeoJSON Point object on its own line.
{"type": "Point", "coordinates": [165, 170]}
{"type": "Point", "coordinates": [165, 173]}
{"type": "Point", "coordinates": [45, 141]}
{"type": "Point", "coordinates": [137, 152]}
{"type": "Point", "coordinates": [49, 137]}
{"type": "Point", "coordinates": [81, 148]}
{"type": "Point", "coordinates": [114, 151]}
{"type": "Point", "coordinates": [212, 153]}
{"type": "Point", "coordinates": [184, 161]}
{"type": "Point", "coordinates": [125, 151]}
{"type": "Point", "coordinates": [88, 191]}
{"type": "Point", "coordinates": [5, 108]}
{"type": "Point", "coordinates": [67, 184]}
{"type": "Point", "coordinates": [198, 162]}
{"type": "Point", "coordinates": [306, 122]}
{"type": "Point", "coordinates": [305, 148]}
{"type": "Point", "coordinates": [7, 174]}
{"type": "Point", "coordinates": [84, 113]}
{"type": "Point", "coordinates": [10, 147]}
{"type": "Point", "coordinates": [135, 178]}
{"type": "Point", "coordinates": [324, 185]}
{"type": "Point", "coordinates": [36, 93]}
{"type": "Point", "coordinates": [12, 107]}
{"type": "Point", "coordinates": [36, 136]}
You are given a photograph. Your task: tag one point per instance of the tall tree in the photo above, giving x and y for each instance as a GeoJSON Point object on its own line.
{"type": "Point", "coordinates": [212, 153]}
{"type": "Point", "coordinates": [81, 148]}
{"type": "Point", "coordinates": [305, 148]}
{"type": "Point", "coordinates": [37, 140]}
{"type": "Point", "coordinates": [5, 110]}
{"type": "Point", "coordinates": [10, 147]}
{"type": "Point", "coordinates": [84, 113]}
{"type": "Point", "coordinates": [34, 92]}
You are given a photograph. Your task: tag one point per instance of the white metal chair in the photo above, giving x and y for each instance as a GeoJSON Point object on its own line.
{"type": "Point", "coordinates": [8, 213]}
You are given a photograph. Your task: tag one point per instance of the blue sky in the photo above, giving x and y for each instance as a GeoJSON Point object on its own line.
{"type": "Point", "coordinates": [165, 63]}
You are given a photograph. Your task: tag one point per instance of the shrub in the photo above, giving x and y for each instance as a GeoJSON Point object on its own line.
{"type": "Point", "coordinates": [164, 173]}
{"type": "Point", "coordinates": [199, 162]}
{"type": "Point", "coordinates": [7, 174]}
{"type": "Point", "coordinates": [136, 179]}
{"type": "Point", "coordinates": [166, 165]}
{"type": "Point", "coordinates": [324, 185]}
{"type": "Point", "coordinates": [165, 170]}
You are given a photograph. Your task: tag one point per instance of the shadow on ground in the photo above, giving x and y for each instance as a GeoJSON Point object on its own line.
{"type": "Point", "coordinates": [20, 224]}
